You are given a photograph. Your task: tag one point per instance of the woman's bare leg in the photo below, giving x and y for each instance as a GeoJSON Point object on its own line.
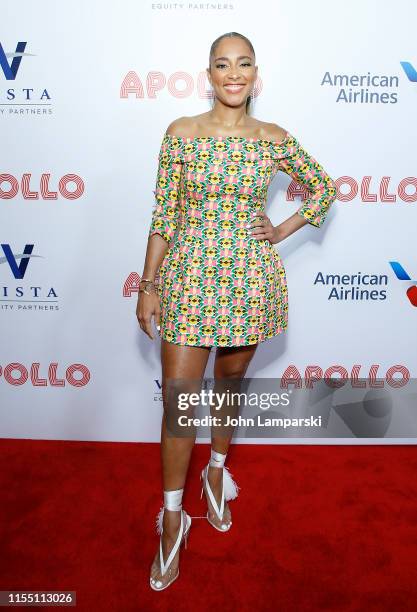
{"type": "Point", "coordinates": [187, 363]}
{"type": "Point", "coordinates": [230, 363]}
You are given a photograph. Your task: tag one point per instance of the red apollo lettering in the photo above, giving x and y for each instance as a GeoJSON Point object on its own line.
{"type": "Point", "coordinates": [16, 374]}
{"type": "Point", "coordinates": [65, 187]}
{"type": "Point", "coordinates": [380, 193]}
{"type": "Point", "coordinates": [357, 376]}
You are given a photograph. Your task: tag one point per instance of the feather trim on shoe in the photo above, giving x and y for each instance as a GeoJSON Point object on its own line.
{"type": "Point", "coordinates": [230, 487]}
{"type": "Point", "coordinates": [159, 520]}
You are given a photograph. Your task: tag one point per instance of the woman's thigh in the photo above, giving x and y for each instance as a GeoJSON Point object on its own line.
{"type": "Point", "coordinates": [183, 370]}
{"type": "Point", "coordinates": [232, 362]}
{"type": "Point", "coordinates": [183, 361]}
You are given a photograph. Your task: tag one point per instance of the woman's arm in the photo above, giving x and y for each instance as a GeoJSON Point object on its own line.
{"type": "Point", "coordinates": [163, 225]}
{"type": "Point", "coordinates": [305, 170]}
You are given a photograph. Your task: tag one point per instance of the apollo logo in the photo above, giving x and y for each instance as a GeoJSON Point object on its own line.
{"type": "Point", "coordinates": [17, 374]}
{"type": "Point", "coordinates": [402, 275]}
{"type": "Point", "coordinates": [10, 70]}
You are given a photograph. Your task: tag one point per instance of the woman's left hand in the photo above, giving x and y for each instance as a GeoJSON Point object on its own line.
{"type": "Point", "coordinates": [262, 228]}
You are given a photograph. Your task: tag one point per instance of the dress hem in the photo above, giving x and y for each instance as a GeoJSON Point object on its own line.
{"type": "Point", "coordinates": [259, 341]}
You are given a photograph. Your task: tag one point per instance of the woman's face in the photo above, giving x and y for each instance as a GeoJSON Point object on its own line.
{"type": "Point", "coordinates": [233, 71]}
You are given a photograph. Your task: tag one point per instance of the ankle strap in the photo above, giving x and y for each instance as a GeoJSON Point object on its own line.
{"type": "Point", "coordinates": [217, 459]}
{"type": "Point", "coordinates": [173, 499]}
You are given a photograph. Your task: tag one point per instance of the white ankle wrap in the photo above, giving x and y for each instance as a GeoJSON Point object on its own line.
{"type": "Point", "coordinates": [173, 499]}
{"type": "Point", "coordinates": [217, 459]}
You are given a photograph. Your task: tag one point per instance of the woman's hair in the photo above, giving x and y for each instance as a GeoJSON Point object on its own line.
{"type": "Point", "coordinates": [231, 35]}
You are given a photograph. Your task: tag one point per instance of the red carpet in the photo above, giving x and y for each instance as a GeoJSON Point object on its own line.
{"type": "Point", "coordinates": [314, 527]}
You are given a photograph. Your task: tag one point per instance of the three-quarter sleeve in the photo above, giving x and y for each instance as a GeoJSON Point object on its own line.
{"type": "Point", "coordinates": [304, 169]}
{"type": "Point", "coordinates": [167, 189]}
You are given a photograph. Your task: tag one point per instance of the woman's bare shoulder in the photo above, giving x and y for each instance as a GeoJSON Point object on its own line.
{"type": "Point", "coordinates": [184, 127]}
{"type": "Point", "coordinates": [273, 132]}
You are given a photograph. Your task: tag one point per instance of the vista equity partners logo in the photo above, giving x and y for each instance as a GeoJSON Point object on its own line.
{"type": "Point", "coordinates": [24, 100]}
{"type": "Point", "coordinates": [10, 70]}
{"type": "Point", "coordinates": [33, 297]}
{"type": "Point", "coordinates": [402, 275]}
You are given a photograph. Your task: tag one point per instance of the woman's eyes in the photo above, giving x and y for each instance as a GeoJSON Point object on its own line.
{"type": "Point", "coordinates": [245, 64]}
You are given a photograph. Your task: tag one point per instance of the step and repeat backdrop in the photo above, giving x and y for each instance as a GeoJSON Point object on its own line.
{"type": "Point", "coordinates": [87, 89]}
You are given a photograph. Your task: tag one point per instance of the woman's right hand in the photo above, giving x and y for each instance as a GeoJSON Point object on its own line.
{"type": "Point", "coordinates": [148, 306]}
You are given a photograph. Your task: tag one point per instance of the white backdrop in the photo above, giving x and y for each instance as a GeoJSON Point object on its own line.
{"type": "Point", "coordinates": [83, 116]}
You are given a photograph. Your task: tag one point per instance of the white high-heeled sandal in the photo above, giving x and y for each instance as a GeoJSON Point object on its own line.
{"type": "Point", "coordinates": [229, 489]}
{"type": "Point", "coordinates": [172, 501]}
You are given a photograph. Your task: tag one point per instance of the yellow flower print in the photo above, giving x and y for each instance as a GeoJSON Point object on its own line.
{"type": "Point", "coordinates": [243, 198]}
{"type": "Point", "coordinates": [213, 179]}
{"type": "Point", "coordinates": [211, 252]}
{"type": "Point", "coordinates": [231, 169]}
{"type": "Point", "coordinates": [226, 206]}
{"type": "Point", "coordinates": [203, 155]}
{"type": "Point", "coordinates": [226, 243]}
{"type": "Point", "coordinates": [226, 224]}
{"type": "Point", "coordinates": [220, 146]}
{"type": "Point", "coordinates": [224, 281]}
{"type": "Point", "coordinates": [236, 156]}
{"type": "Point", "coordinates": [238, 330]}
{"type": "Point", "coordinates": [247, 180]}
{"type": "Point", "coordinates": [223, 321]}
{"type": "Point", "coordinates": [238, 311]}
{"type": "Point", "coordinates": [226, 262]}
{"type": "Point", "coordinates": [209, 311]}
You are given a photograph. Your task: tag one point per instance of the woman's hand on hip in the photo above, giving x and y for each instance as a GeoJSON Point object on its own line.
{"type": "Point", "coordinates": [262, 228]}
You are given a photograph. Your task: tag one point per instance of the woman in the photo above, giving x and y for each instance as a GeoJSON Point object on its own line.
{"type": "Point", "coordinates": [222, 283]}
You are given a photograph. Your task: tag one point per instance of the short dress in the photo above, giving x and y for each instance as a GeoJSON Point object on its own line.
{"type": "Point", "coordinates": [218, 285]}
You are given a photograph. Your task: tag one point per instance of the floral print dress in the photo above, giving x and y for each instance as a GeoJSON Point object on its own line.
{"type": "Point", "coordinates": [218, 285]}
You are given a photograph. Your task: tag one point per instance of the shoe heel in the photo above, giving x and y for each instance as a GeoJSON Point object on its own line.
{"type": "Point", "coordinates": [202, 485]}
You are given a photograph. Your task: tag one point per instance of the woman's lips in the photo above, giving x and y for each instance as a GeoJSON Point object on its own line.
{"type": "Point", "coordinates": [234, 88]}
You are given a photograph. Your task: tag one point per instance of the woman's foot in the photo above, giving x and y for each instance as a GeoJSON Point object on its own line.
{"type": "Point", "coordinates": [215, 481]}
{"type": "Point", "coordinates": [171, 524]}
